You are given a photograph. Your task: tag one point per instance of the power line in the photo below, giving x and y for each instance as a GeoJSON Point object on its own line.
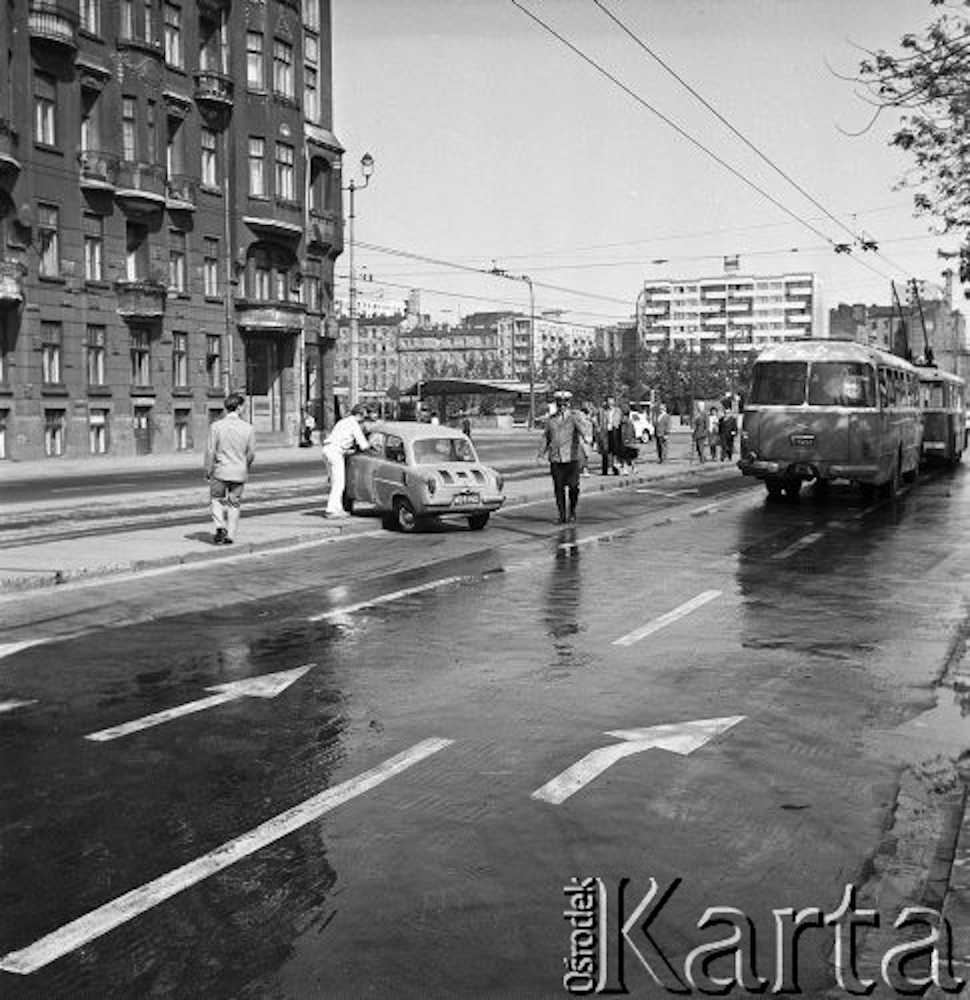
{"type": "Point", "coordinates": [686, 135]}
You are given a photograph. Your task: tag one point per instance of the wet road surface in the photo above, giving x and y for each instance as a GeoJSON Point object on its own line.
{"type": "Point", "coordinates": [821, 625]}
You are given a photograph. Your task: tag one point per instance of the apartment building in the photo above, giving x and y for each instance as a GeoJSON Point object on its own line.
{"type": "Point", "coordinates": [169, 219]}
{"type": "Point", "coordinates": [554, 337]}
{"type": "Point", "coordinates": [730, 311]}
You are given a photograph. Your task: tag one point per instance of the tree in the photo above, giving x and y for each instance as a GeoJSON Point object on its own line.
{"type": "Point", "coordinates": [926, 84]}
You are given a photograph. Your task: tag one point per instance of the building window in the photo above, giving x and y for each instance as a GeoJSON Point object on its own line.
{"type": "Point", "coordinates": [180, 360]}
{"type": "Point", "coordinates": [311, 292]}
{"type": "Point", "coordinates": [129, 129]}
{"type": "Point", "coordinates": [141, 358]}
{"type": "Point", "coordinates": [257, 176]}
{"type": "Point", "coordinates": [210, 159]}
{"type": "Point", "coordinates": [128, 19]}
{"type": "Point", "coordinates": [321, 185]}
{"type": "Point", "coordinates": [136, 251]}
{"type": "Point", "coordinates": [93, 247]}
{"type": "Point", "coordinates": [255, 79]}
{"type": "Point", "coordinates": [311, 14]}
{"type": "Point", "coordinates": [175, 148]}
{"type": "Point", "coordinates": [91, 16]}
{"type": "Point", "coordinates": [45, 109]}
{"type": "Point", "coordinates": [210, 267]}
{"type": "Point", "coordinates": [311, 78]}
{"type": "Point", "coordinates": [4, 415]}
{"type": "Point", "coordinates": [285, 181]}
{"type": "Point", "coordinates": [4, 351]}
{"type": "Point", "coordinates": [49, 241]}
{"type": "Point", "coordinates": [149, 25]}
{"type": "Point", "coordinates": [54, 425]}
{"type": "Point", "coordinates": [96, 346]}
{"type": "Point", "coordinates": [90, 120]}
{"type": "Point", "coordinates": [98, 432]}
{"type": "Point", "coordinates": [50, 353]}
{"type": "Point", "coordinates": [176, 260]}
{"type": "Point", "coordinates": [183, 430]}
{"type": "Point", "coordinates": [283, 69]}
{"type": "Point", "coordinates": [212, 359]}
{"type": "Point", "coordinates": [151, 122]}
{"type": "Point", "coordinates": [173, 35]}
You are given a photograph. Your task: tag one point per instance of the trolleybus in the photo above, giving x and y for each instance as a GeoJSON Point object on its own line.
{"type": "Point", "coordinates": [827, 409]}
{"type": "Point", "coordinates": [944, 415]}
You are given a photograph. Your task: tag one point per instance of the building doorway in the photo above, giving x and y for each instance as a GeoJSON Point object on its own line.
{"type": "Point", "coordinates": [142, 427]}
{"type": "Point", "coordinates": [264, 384]}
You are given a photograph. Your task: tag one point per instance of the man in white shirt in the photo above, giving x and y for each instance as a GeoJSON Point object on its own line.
{"type": "Point", "coordinates": [230, 451]}
{"type": "Point", "coordinates": [346, 435]}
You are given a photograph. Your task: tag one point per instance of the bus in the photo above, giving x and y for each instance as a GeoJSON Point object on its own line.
{"type": "Point", "coordinates": [822, 410]}
{"type": "Point", "coordinates": [944, 410]}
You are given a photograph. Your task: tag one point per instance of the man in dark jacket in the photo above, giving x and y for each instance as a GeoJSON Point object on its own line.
{"type": "Point", "coordinates": [564, 442]}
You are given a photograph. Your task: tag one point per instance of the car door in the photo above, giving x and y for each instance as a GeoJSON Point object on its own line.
{"type": "Point", "coordinates": [389, 473]}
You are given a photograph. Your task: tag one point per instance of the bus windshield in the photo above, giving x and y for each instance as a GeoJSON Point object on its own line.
{"type": "Point", "coordinates": [824, 383]}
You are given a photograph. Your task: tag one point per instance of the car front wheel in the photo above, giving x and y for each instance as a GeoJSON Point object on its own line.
{"type": "Point", "coordinates": [404, 515]}
{"type": "Point", "coordinates": [478, 521]}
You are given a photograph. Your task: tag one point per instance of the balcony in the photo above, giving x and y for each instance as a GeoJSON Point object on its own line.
{"type": "Point", "coordinates": [261, 316]}
{"type": "Point", "coordinates": [53, 24]}
{"type": "Point", "coordinates": [141, 298]}
{"type": "Point", "coordinates": [326, 233]}
{"type": "Point", "coordinates": [213, 90]}
{"type": "Point", "coordinates": [141, 187]}
{"type": "Point", "coordinates": [181, 191]}
{"type": "Point", "coordinates": [12, 274]}
{"type": "Point", "coordinates": [99, 171]}
{"type": "Point", "coordinates": [8, 146]}
{"type": "Point", "coordinates": [146, 41]}
{"type": "Point", "coordinates": [283, 220]}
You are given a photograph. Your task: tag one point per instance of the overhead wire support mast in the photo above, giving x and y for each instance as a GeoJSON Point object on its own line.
{"type": "Point", "coordinates": [502, 273]}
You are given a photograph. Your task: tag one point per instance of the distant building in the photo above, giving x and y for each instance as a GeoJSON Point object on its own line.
{"type": "Point", "coordinates": [170, 214]}
{"type": "Point", "coordinates": [729, 312]}
{"type": "Point", "coordinates": [555, 336]}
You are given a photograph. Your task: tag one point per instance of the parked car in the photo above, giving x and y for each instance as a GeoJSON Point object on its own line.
{"type": "Point", "coordinates": [415, 472]}
{"type": "Point", "coordinates": [641, 426]}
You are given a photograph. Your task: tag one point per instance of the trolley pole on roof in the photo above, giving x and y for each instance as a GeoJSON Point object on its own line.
{"type": "Point", "coordinates": [502, 273]}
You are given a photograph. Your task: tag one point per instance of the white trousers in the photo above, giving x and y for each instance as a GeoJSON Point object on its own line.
{"type": "Point", "coordinates": [334, 458]}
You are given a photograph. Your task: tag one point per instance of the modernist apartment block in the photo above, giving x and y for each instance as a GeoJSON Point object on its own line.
{"type": "Point", "coordinates": [169, 220]}
{"type": "Point", "coordinates": [730, 312]}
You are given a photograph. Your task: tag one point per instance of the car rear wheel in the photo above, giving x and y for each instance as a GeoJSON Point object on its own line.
{"type": "Point", "coordinates": [478, 521]}
{"type": "Point", "coordinates": [775, 487]}
{"type": "Point", "coordinates": [404, 515]}
{"type": "Point", "coordinates": [348, 503]}
{"type": "Point", "coordinates": [645, 437]}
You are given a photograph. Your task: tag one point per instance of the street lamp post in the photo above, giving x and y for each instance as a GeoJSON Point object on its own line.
{"type": "Point", "coordinates": [502, 273]}
{"type": "Point", "coordinates": [366, 169]}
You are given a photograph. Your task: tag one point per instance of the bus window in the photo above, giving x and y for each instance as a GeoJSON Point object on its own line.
{"type": "Point", "coordinates": [839, 383]}
{"type": "Point", "coordinates": [779, 383]}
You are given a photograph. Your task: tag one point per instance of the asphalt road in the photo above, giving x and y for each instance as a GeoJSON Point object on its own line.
{"type": "Point", "coordinates": [402, 818]}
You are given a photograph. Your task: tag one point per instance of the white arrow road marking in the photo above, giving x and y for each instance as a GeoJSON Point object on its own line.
{"type": "Point", "coordinates": [384, 599]}
{"type": "Point", "coordinates": [664, 620]}
{"type": "Point", "coordinates": [9, 648]}
{"type": "Point", "coordinates": [264, 686]}
{"type": "Point", "coordinates": [677, 737]}
{"type": "Point", "coordinates": [105, 918]}
{"type": "Point", "coordinates": [9, 706]}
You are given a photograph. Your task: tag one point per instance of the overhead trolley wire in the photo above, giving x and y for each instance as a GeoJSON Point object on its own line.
{"type": "Point", "coordinates": [686, 135]}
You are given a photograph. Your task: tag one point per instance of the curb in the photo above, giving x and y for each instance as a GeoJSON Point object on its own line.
{"type": "Point", "coordinates": [47, 579]}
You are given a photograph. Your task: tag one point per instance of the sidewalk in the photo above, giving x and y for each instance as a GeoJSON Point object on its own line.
{"type": "Point", "coordinates": [41, 563]}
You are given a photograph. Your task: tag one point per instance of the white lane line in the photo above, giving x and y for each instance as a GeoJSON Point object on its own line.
{"type": "Point", "coordinates": [802, 543]}
{"type": "Point", "coordinates": [708, 508]}
{"type": "Point", "coordinates": [669, 618]}
{"type": "Point", "coordinates": [669, 494]}
{"type": "Point", "coordinates": [105, 918]}
{"type": "Point", "coordinates": [384, 599]}
{"type": "Point", "coordinates": [9, 706]}
{"type": "Point", "coordinates": [606, 536]}
{"type": "Point", "coordinates": [9, 648]}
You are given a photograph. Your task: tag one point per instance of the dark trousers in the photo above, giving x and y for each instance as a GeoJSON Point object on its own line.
{"type": "Point", "coordinates": [565, 477]}
{"type": "Point", "coordinates": [661, 448]}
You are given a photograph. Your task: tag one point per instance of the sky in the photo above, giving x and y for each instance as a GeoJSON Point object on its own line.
{"type": "Point", "coordinates": [496, 145]}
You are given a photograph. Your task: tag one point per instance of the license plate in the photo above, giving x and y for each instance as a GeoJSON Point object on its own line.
{"type": "Point", "coordinates": [466, 500]}
{"type": "Point", "coordinates": [802, 440]}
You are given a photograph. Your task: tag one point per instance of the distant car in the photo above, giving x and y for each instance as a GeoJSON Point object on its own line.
{"type": "Point", "coordinates": [415, 472]}
{"type": "Point", "coordinates": [642, 426]}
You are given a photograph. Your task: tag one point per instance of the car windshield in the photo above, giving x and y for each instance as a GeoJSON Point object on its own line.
{"type": "Point", "coordinates": [428, 451]}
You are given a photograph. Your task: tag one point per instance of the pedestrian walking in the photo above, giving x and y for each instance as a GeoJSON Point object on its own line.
{"type": "Point", "coordinates": [728, 429]}
{"type": "Point", "coordinates": [628, 450]}
{"type": "Point", "coordinates": [229, 453]}
{"type": "Point", "coordinates": [661, 432]}
{"type": "Point", "coordinates": [714, 431]}
{"type": "Point", "coordinates": [466, 427]}
{"type": "Point", "coordinates": [608, 435]}
{"type": "Point", "coordinates": [699, 433]}
{"type": "Point", "coordinates": [347, 435]}
{"type": "Point", "coordinates": [587, 412]}
{"type": "Point", "coordinates": [309, 426]}
{"type": "Point", "coordinates": [566, 435]}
